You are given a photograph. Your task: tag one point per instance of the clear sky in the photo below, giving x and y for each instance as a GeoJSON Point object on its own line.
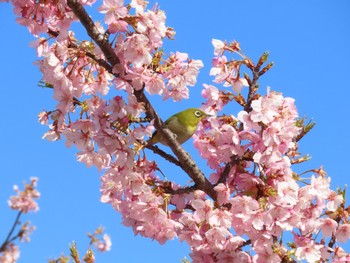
{"type": "Point", "coordinates": [309, 42]}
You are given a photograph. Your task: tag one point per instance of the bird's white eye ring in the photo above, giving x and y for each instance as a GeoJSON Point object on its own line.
{"type": "Point", "coordinates": [198, 113]}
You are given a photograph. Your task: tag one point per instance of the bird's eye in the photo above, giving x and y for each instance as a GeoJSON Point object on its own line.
{"type": "Point", "coordinates": [198, 113]}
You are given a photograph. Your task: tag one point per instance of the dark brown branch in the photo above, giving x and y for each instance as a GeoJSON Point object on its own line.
{"type": "Point", "coordinates": [100, 61]}
{"type": "Point", "coordinates": [165, 155]}
{"type": "Point", "coordinates": [3, 246]}
{"type": "Point", "coordinates": [253, 85]}
{"type": "Point", "coordinates": [227, 169]}
{"type": "Point", "coordinates": [183, 190]}
{"type": "Point", "coordinates": [253, 88]}
{"type": "Point", "coordinates": [187, 163]}
{"type": "Point", "coordinates": [93, 31]}
{"type": "Point", "coordinates": [332, 241]}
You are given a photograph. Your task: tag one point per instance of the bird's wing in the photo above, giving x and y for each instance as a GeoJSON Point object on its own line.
{"type": "Point", "coordinates": [174, 125]}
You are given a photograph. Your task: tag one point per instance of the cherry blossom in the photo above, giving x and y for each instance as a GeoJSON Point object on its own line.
{"type": "Point", "coordinates": [113, 10]}
{"type": "Point", "coordinates": [343, 233]}
{"type": "Point", "coordinates": [307, 249]}
{"type": "Point", "coordinates": [152, 24]}
{"type": "Point", "coordinates": [10, 255]}
{"type": "Point", "coordinates": [105, 244]}
{"type": "Point", "coordinates": [251, 198]}
{"type": "Point", "coordinates": [25, 200]}
{"type": "Point", "coordinates": [219, 47]}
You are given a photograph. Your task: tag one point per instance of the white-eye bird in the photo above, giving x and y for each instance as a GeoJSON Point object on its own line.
{"type": "Point", "coordinates": [183, 124]}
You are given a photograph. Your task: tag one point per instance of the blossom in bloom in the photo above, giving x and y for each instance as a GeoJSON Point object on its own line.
{"type": "Point", "coordinates": [137, 50]}
{"type": "Point", "coordinates": [212, 94]}
{"type": "Point", "coordinates": [39, 17]}
{"type": "Point", "coordinates": [307, 249]}
{"type": "Point", "coordinates": [219, 143]}
{"type": "Point", "coordinates": [43, 117]}
{"type": "Point", "coordinates": [177, 90]}
{"type": "Point", "coordinates": [10, 254]}
{"type": "Point", "coordinates": [118, 26]}
{"type": "Point", "coordinates": [41, 46]}
{"type": "Point", "coordinates": [334, 200]}
{"type": "Point", "coordinates": [343, 233]}
{"type": "Point", "coordinates": [328, 226]}
{"type": "Point", "coordinates": [180, 72]}
{"type": "Point", "coordinates": [25, 200]}
{"type": "Point", "coordinates": [114, 9]}
{"type": "Point", "coordinates": [340, 255]}
{"type": "Point", "coordinates": [219, 47]}
{"type": "Point", "coordinates": [154, 83]}
{"type": "Point", "coordinates": [220, 218]}
{"type": "Point", "coordinates": [152, 24]}
{"type": "Point", "coordinates": [104, 244]}
{"type": "Point", "coordinates": [217, 238]}
{"type": "Point", "coordinates": [237, 84]}
{"type": "Point", "coordinates": [219, 69]}
{"type": "Point", "coordinates": [139, 5]}
{"type": "Point", "coordinates": [223, 193]}
{"type": "Point", "coordinates": [265, 109]}
{"type": "Point", "coordinates": [257, 197]}
{"type": "Point", "coordinates": [287, 193]}
{"type": "Point", "coordinates": [320, 187]}
{"type": "Point", "coordinates": [51, 135]}
{"type": "Point", "coordinates": [248, 123]}
{"type": "Point", "coordinates": [202, 209]}
{"type": "Point", "coordinates": [264, 252]}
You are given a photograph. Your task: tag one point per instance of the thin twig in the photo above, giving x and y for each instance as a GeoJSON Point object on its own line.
{"type": "Point", "coordinates": [183, 190]}
{"type": "Point", "coordinates": [93, 32]}
{"type": "Point", "coordinates": [165, 155]}
{"type": "Point", "coordinates": [3, 246]}
{"type": "Point", "coordinates": [253, 88]}
{"type": "Point", "coordinates": [99, 61]}
{"type": "Point", "coordinates": [227, 169]}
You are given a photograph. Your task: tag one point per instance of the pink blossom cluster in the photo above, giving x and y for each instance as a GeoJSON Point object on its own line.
{"type": "Point", "coordinates": [24, 201]}
{"type": "Point", "coordinates": [226, 72]}
{"type": "Point", "coordinates": [264, 197]}
{"type": "Point", "coordinates": [43, 16]}
{"type": "Point", "coordinates": [79, 82]}
{"type": "Point", "coordinates": [132, 189]}
{"type": "Point", "coordinates": [102, 242]}
{"type": "Point", "coordinates": [10, 255]}
{"type": "Point", "coordinates": [259, 198]}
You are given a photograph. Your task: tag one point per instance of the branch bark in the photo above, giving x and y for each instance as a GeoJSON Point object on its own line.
{"type": "Point", "coordinates": [187, 163]}
{"type": "Point", "coordinates": [8, 238]}
{"type": "Point", "coordinates": [165, 155]}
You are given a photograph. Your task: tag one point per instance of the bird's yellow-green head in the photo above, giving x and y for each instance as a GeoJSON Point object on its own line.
{"type": "Point", "coordinates": [183, 124]}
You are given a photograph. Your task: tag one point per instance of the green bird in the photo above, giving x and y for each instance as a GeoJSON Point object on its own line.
{"type": "Point", "coordinates": [183, 124]}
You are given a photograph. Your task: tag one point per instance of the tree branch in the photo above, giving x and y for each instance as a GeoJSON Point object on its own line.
{"type": "Point", "coordinates": [183, 190]}
{"type": "Point", "coordinates": [165, 155]}
{"type": "Point", "coordinates": [227, 169]}
{"type": "Point", "coordinates": [100, 61]}
{"type": "Point", "coordinates": [253, 88]}
{"type": "Point", "coordinates": [187, 163]}
{"type": "Point", "coordinates": [93, 31]}
{"type": "Point", "coordinates": [3, 246]}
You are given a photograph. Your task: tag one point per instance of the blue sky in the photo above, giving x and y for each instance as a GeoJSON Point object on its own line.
{"type": "Point", "coordinates": [309, 42]}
